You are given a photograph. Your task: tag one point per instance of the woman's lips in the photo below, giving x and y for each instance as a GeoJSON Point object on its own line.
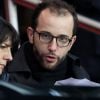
{"type": "Point", "coordinates": [2, 66]}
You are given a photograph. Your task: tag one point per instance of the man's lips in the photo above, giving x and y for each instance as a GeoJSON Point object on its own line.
{"type": "Point", "coordinates": [50, 58]}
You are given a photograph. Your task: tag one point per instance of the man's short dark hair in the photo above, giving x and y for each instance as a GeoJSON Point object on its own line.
{"type": "Point", "coordinates": [59, 7]}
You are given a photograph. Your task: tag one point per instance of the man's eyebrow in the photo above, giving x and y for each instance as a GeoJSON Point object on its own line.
{"type": "Point", "coordinates": [51, 33]}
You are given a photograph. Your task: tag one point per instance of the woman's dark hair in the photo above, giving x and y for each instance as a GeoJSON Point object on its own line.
{"type": "Point", "coordinates": [58, 7]}
{"type": "Point", "coordinates": [7, 31]}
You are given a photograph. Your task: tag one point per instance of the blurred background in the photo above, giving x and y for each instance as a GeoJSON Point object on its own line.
{"type": "Point", "coordinates": [87, 46]}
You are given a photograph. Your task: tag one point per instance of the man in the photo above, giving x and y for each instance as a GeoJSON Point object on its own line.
{"type": "Point", "coordinates": [45, 59]}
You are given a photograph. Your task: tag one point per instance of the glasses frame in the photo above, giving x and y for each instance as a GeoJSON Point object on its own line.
{"type": "Point", "coordinates": [69, 40]}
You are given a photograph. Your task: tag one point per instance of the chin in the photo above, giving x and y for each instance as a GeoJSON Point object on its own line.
{"type": "Point", "coordinates": [0, 71]}
{"type": "Point", "coordinates": [50, 67]}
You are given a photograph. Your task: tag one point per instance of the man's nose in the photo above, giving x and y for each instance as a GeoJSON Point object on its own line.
{"type": "Point", "coordinates": [52, 46]}
{"type": "Point", "coordinates": [8, 55]}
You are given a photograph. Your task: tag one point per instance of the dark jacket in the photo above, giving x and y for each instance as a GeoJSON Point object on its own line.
{"type": "Point", "coordinates": [25, 69]}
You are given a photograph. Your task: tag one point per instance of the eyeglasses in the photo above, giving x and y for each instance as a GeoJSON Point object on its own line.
{"type": "Point", "coordinates": [46, 37]}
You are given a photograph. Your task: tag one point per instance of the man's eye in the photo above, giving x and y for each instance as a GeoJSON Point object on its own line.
{"type": "Point", "coordinates": [45, 35]}
{"type": "Point", "coordinates": [63, 39]}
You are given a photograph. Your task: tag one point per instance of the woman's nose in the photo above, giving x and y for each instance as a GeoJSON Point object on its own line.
{"type": "Point", "coordinates": [8, 55]}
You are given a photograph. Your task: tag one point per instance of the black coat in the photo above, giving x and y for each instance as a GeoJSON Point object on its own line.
{"type": "Point", "coordinates": [25, 69]}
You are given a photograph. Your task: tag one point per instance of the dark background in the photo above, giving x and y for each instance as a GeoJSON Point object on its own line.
{"type": "Point", "coordinates": [87, 46]}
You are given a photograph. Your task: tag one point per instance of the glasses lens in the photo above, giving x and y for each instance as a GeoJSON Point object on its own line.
{"type": "Point", "coordinates": [45, 37]}
{"type": "Point", "coordinates": [63, 40]}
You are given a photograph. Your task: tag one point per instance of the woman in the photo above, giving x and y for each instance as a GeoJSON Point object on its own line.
{"type": "Point", "coordinates": [9, 41]}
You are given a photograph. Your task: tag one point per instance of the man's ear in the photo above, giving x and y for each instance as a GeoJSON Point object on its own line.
{"type": "Point", "coordinates": [73, 39]}
{"type": "Point", "coordinates": [72, 42]}
{"type": "Point", "coordinates": [30, 33]}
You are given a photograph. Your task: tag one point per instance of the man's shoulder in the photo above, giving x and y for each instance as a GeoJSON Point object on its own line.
{"type": "Point", "coordinates": [73, 59]}
{"type": "Point", "coordinates": [75, 66]}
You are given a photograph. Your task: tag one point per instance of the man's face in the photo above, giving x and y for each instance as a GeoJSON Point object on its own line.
{"type": "Point", "coordinates": [50, 54]}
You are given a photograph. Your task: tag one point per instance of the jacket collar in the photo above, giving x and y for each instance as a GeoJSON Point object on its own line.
{"type": "Point", "coordinates": [19, 63]}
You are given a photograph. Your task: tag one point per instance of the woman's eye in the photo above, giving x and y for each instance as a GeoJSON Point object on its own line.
{"type": "Point", "coordinates": [2, 46]}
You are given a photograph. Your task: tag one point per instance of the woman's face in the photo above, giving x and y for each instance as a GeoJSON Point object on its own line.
{"type": "Point", "coordinates": [5, 54]}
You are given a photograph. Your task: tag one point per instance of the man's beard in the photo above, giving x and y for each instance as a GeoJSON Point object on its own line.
{"type": "Point", "coordinates": [39, 57]}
